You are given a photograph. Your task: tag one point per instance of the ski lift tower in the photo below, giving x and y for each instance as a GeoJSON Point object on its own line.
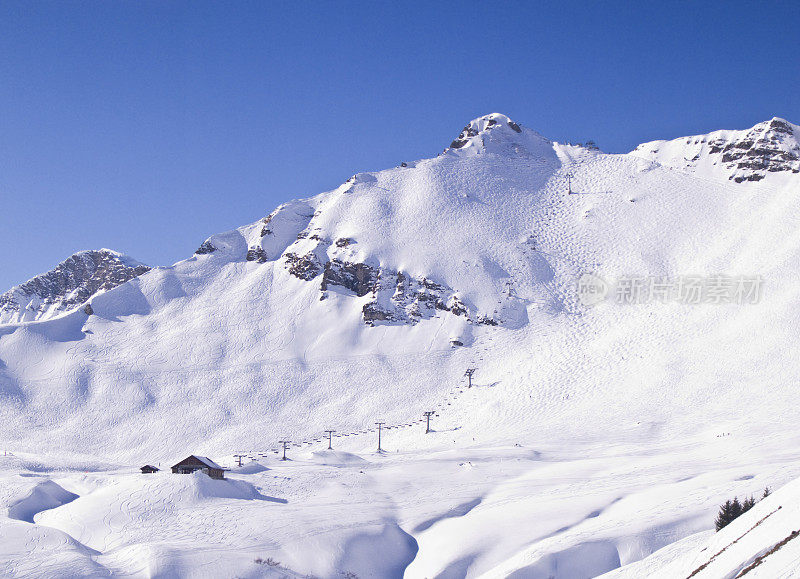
{"type": "Point", "coordinates": [569, 184]}
{"type": "Point", "coordinates": [468, 374]}
{"type": "Point", "coordinates": [330, 438]}
{"type": "Point", "coordinates": [428, 418]}
{"type": "Point", "coordinates": [380, 427]}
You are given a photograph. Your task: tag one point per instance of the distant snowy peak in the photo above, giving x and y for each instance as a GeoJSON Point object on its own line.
{"type": "Point", "coordinates": [497, 133]}
{"type": "Point", "coordinates": [769, 148]}
{"type": "Point", "coordinates": [478, 127]}
{"type": "Point", "coordinates": [69, 285]}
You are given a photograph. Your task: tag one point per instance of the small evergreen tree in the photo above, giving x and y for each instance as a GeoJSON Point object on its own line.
{"type": "Point", "coordinates": [727, 513]}
{"type": "Point", "coordinates": [737, 507]}
{"type": "Point", "coordinates": [732, 509]}
{"type": "Point", "coordinates": [724, 516]}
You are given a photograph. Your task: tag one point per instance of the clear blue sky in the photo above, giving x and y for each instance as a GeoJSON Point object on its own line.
{"type": "Point", "coordinates": [147, 126]}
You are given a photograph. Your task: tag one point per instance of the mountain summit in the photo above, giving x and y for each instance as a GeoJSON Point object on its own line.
{"type": "Point", "coordinates": [770, 147]}
{"type": "Point", "coordinates": [497, 133]}
{"type": "Point", "coordinates": [69, 285]}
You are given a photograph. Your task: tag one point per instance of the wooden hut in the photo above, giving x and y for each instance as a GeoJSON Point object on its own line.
{"type": "Point", "coordinates": [148, 469]}
{"type": "Point", "coordinates": [194, 463]}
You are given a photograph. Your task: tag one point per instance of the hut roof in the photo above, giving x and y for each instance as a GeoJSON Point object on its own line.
{"type": "Point", "coordinates": [205, 460]}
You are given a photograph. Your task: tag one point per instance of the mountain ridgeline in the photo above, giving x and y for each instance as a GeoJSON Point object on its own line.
{"type": "Point", "coordinates": [599, 430]}
{"type": "Point", "coordinates": [301, 235]}
{"type": "Point", "coordinates": [68, 286]}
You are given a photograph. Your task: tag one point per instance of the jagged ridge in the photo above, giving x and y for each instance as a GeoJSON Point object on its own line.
{"type": "Point", "coordinates": [69, 285]}
{"type": "Point", "coordinates": [750, 155]}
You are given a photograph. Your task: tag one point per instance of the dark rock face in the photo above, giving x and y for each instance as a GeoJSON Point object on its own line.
{"type": "Point", "coordinates": [359, 278]}
{"type": "Point", "coordinates": [391, 296]}
{"type": "Point", "coordinates": [463, 138]}
{"type": "Point", "coordinates": [257, 254]}
{"type": "Point", "coordinates": [514, 126]}
{"type": "Point", "coordinates": [745, 156]}
{"type": "Point", "coordinates": [70, 284]}
{"type": "Point", "coordinates": [769, 147]}
{"type": "Point", "coordinates": [373, 313]}
{"type": "Point", "coordinates": [751, 177]}
{"type": "Point", "coordinates": [456, 307]}
{"type": "Point", "coordinates": [205, 248]}
{"type": "Point", "coordinates": [404, 299]}
{"type": "Point", "coordinates": [305, 267]}
{"type": "Point", "coordinates": [780, 126]}
{"type": "Point", "coordinates": [265, 227]}
{"type": "Point", "coordinates": [395, 297]}
{"type": "Point", "coordinates": [8, 303]}
{"type": "Point", "coordinates": [314, 236]}
{"type": "Point", "coordinates": [87, 309]}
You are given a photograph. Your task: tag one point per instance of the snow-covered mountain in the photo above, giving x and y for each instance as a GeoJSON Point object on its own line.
{"type": "Point", "coordinates": [771, 147]}
{"type": "Point", "coordinates": [67, 286]}
{"type": "Point", "coordinates": [598, 430]}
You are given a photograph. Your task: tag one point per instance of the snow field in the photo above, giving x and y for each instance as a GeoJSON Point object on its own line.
{"type": "Point", "coordinates": [593, 437]}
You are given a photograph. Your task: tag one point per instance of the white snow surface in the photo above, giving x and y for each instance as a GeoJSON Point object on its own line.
{"type": "Point", "coordinates": [760, 543]}
{"type": "Point", "coordinates": [593, 436]}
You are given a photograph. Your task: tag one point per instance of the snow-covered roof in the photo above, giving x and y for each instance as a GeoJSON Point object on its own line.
{"type": "Point", "coordinates": [203, 459]}
{"type": "Point", "coordinates": [207, 461]}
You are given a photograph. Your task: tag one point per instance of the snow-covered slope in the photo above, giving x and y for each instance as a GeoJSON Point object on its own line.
{"type": "Point", "coordinates": [769, 149]}
{"type": "Point", "coordinates": [67, 286]}
{"type": "Point", "coordinates": [763, 542]}
{"type": "Point", "coordinates": [367, 303]}
{"type": "Point", "coordinates": [411, 242]}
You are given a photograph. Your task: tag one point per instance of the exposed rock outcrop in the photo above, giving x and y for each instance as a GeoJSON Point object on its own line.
{"type": "Point", "coordinates": [205, 248]}
{"type": "Point", "coordinates": [463, 138]}
{"type": "Point", "coordinates": [395, 296]}
{"type": "Point", "coordinates": [69, 285]}
{"type": "Point", "coordinates": [257, 254]}
{"type": "Point", "coordinates": [373, 313]}
{"type": "Point", "coordinates": [744, 156]}
{"type": "Point", "coordinates": [305, 267]}
{"type": "Point", "coordinates": [481, 125]}
{"type": "Point", "coordinates": [359, 278]}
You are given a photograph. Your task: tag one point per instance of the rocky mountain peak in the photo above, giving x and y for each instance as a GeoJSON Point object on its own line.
{"type": "Point", "coordinates": [495, 133]}
{"type": "Point", "coordinates": [69, 285]}
{"type": "Point", "coordinates": [478, 127]}
{"type": "Point", "coordinates": [770, 147]}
